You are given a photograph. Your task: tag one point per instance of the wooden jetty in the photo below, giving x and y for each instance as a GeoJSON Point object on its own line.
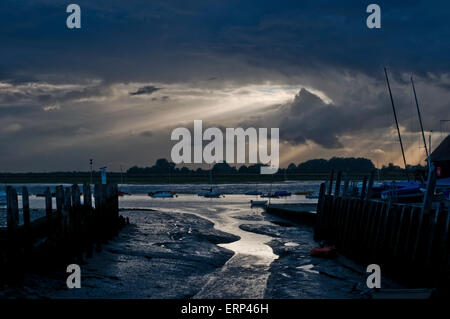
{"type": "Point", "coordinates": [408, 241]}
{"type": "Point", "coordinates": [66, 233]}
{"type": "Point", "coordinates": [297, 213]}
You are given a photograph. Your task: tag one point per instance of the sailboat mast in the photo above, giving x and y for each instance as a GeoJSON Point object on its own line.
{"type": "Point", "coordinates": [421, 125]}
{"type": "Point", "coordinates": [396, 123]}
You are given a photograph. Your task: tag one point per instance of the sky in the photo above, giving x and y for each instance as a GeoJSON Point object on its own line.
{"type": "Point", "coordinates": [115, 89]}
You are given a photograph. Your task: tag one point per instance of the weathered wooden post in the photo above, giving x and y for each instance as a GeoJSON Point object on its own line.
{"type": "Point", "coordinates": [76, 215]}
{"type": "Point", "coordinates": [99, 196]}
{"type": "Point", "coordinates": [59, 199]}
{"type": "Point", "coordinates": [319, 218]}
{"type": "Point", "coordinates": [76, 202]}
{"type": "Point", "coordinates": [369, 188]}
{"type": "Point", "coordinates": [330, 186]}
{"type": "Point", "coordinates": [13, 242]}
{"type": "Point", "coordinates": [66, 210]}
{"type": "Point", "coordinates": [426, 207]}
{"type": "Point", "coordinates": [346, 184]}
{"type": "Point", "coordinates": [337, 189]}
{"type": "Point", "coordinates": [48, 203]}
{"type": "Point", "coordinates": [87, 195]}
{"type": "Point", "coordinates": [12, 207]}
{"type": "Point", "coordinates": [88, 225]}
{"type": "Point", "coordinates": [363, 188]}
{"type": "Point", "coordinates": [26, 208]}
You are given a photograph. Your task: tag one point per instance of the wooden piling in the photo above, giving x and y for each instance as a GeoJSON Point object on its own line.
{"type": "Point", "coordinates": [319, 211]}
{"type": "Point", "coordinates": [87, 195]}
{"type": "Point", "coordinates": [330, 186]}
{"type": "Point", "coordinates": [67, 234]}
{"type": "Point", "coordinates": [48, 203]}
{"type": "Point", "coordinates": [338, 184]}
{"type": "Point", "coordinates": [12, 207]}
{"type": "Point", "coordinates": [26, 208]}
{"type": "Point", "coordinates": [370, 186]}
{"type": "Point", "coordinates": [59, 199]}
{"type": "Point", "coordinates": [364, 187]}
{"type": "Point", "coordinates": [346, 184]}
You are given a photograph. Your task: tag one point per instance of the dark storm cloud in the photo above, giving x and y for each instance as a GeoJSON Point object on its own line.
{"type": "Point", "coordinates": [145, 90]}
{"type": "Point", "coordinates": [322, 45]}
{"type": "Point", "coordinates": [173, 40]}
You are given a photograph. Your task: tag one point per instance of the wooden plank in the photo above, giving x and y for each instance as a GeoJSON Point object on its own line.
{"type": "Point", "coordinates": [409, 227]}
{"type": "Point", "coordinates": [330, 186]}
{"type": "Point", "coordinates": [429, 193]}
{"type": "Point", "coordinates": [346, 184]}
{"type": "Point", "coordinates": [48, 202]}
{"type": "Point", "coordinates": [66, 208]}
{"type": "Point", "coordinates": [87, 195]}
{"type": "Point", "coordinates": [363, 189]}
{"type": "Point", "coordinates": [76, 196]}
{"type": "Point", "coordinates": [434, 215]}
{"type": "Point", "coordinates": [26, 207]}
{"type": "Point", "coordinates": [319, 219]}
{"type": "Point", "coordinates": [399, 231]}
{"type": "Point", "coordinates": [444, 243]}
{"type": "Point", "coordinates": [338, 184]}
{"type": "Point", "coordinates": [369, 188]}
{"type": "Point", "coordinates": [12, 207]}
{"type": "Point", "coordinates": [59, 199]}
{"type": "Point", "coordinates": [418, 235]}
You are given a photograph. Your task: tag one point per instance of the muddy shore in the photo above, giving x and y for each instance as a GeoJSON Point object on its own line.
{"type": "Point", "coordinates": [163, 256]}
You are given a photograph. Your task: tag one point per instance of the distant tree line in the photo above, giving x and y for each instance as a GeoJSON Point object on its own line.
{"type": "Point", "coordinates": [351, 164]}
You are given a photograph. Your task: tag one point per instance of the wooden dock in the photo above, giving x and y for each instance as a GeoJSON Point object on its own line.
{"type": "Point", "coordinates": [66, 234]}
{"type": "Point", "coordinates": [409, 241]}
{"type": "Point", "coordinates": [297, 213]}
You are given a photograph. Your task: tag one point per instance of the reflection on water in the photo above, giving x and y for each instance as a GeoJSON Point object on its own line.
{"type": "Point", "coordinates": [246, 273]}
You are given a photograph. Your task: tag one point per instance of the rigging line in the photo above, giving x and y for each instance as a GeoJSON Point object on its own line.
{"type": "Point", "coordinates": [396, 123]}
{"type": "Point", "coordinates": [420, 121]}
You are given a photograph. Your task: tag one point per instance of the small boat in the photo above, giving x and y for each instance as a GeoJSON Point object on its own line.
{"type": "Point", "coordinates": [210, 194]}
{"type": "Point", "coordinates": [254, 193]}
{"type": "Point", "coordinates": [282, 193]}
{"type": "Point", "coordinates": [258, 202]}
{"type": "Point", "coordinates": [409, 192]}
{"type": "Point", "coordinates": [161, 194]}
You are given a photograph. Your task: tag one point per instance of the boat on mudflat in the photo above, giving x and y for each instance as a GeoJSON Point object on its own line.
{"type": "Point", "coordinates": [210, 194]}
{"type": "Point", "coordinates": [161, 194]}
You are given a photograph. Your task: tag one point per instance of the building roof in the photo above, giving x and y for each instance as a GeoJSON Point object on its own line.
{"type": "Point", "coordinates": [442, 152]}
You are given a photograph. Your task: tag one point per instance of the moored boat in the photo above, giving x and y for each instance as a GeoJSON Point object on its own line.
{"type": "Point", "coordinates": [161, 194]}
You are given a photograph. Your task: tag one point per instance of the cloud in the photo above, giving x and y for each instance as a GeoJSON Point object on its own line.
{"type": "Point", "coordinates": [145, 90]}
{"type": "Point", "coordinates": [229, 63]}
{"type": "Point", "coordinates": [147, 133]}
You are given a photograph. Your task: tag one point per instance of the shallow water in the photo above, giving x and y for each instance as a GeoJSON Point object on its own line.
{"type": "Point", "coordinates": [245, 274]}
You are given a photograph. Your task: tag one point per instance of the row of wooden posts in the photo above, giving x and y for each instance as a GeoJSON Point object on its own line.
{"type": "Point", "coordinates": [65, 234]}
{"type": "Point", "coordinates": [410, 241]}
